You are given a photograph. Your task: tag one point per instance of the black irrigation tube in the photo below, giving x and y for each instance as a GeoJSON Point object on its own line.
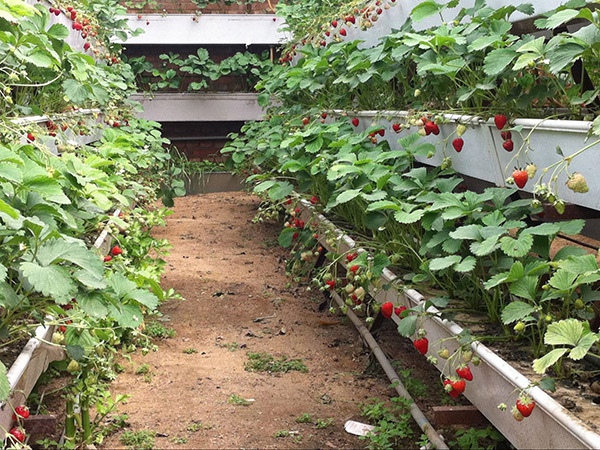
{"type": "Point", "coordinates": [433, 436]}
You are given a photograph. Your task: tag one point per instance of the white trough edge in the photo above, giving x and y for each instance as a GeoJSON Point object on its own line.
{"type": "Point", "coordinates": [69, 137]}
{"type": "Point", "coordinates": [555, 419]}
{"type": "Point", "coordinates": [26, 370]}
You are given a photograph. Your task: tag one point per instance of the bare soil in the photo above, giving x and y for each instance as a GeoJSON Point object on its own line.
{"type": "Point", "coordinates": [238, 299]}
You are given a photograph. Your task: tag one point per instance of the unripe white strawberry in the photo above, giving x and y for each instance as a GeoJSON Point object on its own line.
{"type": "Point", "coordinates": [577, 183]}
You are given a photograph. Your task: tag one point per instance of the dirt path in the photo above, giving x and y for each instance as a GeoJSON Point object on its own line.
{"type": "Point", "coordinates": [238, 300]}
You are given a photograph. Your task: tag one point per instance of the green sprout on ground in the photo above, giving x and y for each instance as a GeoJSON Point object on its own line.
{"type": "Point", "coordinates": [263, 362]}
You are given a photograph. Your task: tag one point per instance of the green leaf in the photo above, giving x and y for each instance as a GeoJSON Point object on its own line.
{"type": "Point", "coordinates": [468, 232]}
{"type": "Point", "coordinates": [525, 287]}
{"type": "Point", "coordinates": [75, 91]}
{"type": "Point", "coordinates": [425, 9]}
{"type": "Point", "coordinates": [580, 264]}
{"type": "Point", "coordinates": [563, 280]}
{"type": "Point", "coordinates": [380, 262]}
{"type": "Point", "coordinates": [281, 190]}
{"type": "Point", "coordinates": [4, 383]}
{"type": "Point", "coordinates": [485, 247]}
{"type": "Point", "coordinates": [540, 365]}
{"type": "Point", "coordinates": [8, 296]}
{"type": "Point", "coordinates": [55, 251]}
{"type": "Point", "coordinates": [466, 265]}
{"type": "Point", "coordinates": [516, 247]}
{"type": "Point", "coordinates": [315, 146]}
{"type": "Point", "coordinates": [58, 31]}
{"type": "Point", "coordinates": [286, 237]}
{"type": "Point", "coordinates": [568, 332]}
{"type": "Point", "coordinates": [516, 311]}
{"type": "Point", "coordinates": [408, 326]}
{"type": "Point", "coordinates": [383, 204]}
{"type": "Point", "coordinates": [93, 304]}
{"type": "Point", "coordinates": [568, 251]}
{"type": "Point", "coordinates": [51, 281]}
{"type": "Point", "coordinates": [444, 262]}
{"type": "Point", "coordinates": [498, 60]}
{"type": "Point", "coordinates": [128, 315]}
{"type": "Point", "coordinates": [544, 229]}
{"type": "Point", "coordinates": [556, 19]}
{"type": "Point", "coordinates": [572, 227]}
{"type": "Point", "coordinates": [409, 217]}
{"type": "Point", "coordinates": [346, 196]}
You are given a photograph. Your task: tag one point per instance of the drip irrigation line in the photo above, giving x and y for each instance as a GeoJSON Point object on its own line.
{"type": "Point", "coordinates": [435, 439]}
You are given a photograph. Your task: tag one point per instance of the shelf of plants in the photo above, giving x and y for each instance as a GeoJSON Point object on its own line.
{"type": "Point", "coordinates": [379, 132]}
{"type": "Point", "coordinates": [494, 382]}
{"type": "Point", "coordinates": [71, 154]}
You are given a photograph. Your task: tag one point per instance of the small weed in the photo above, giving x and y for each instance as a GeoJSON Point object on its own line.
{"type": "Point", "coordinates": [231, 346]}
{"type": "Point", "coordinates": [323, 423]}
{"type": "Point", "coordinates": [392, 424]}
{"type": "Point", "coordinates": [305, 418]}
{"type": "Point", "coordinates": [190, 351]}
{"type": "Point", "coordinates": [413, 385]}
{"type": "Point", "coordinates": [487, 438]}
{"type": "Point", "coordinates": [263, 362]}
{"type": "Point", "coordinates": [159, 331]}
{"type": "Point", "coordinates": [198, 426]}
{"type": "Point", "coordinates": [235, 399]}
{"type": "Point", "coordinates": [148, 378]}
{"type": "Point", "coordinates": [139, 440]}
{"type": "Point", "coordinates": [295, 435]}
{"type": "Point", "coordinates": [179, 440]}
{"type": "Point", "coordinates": [143, 369]}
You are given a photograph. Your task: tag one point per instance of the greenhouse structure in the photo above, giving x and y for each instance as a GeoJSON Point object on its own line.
{"type": "Point", "coordinates": [300, 224]}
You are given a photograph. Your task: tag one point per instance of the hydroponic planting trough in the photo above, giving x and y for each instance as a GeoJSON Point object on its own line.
{"type": "Point", "coordinates": [495, 381]}
{"type": "Point", "coordinates": [483, 156]}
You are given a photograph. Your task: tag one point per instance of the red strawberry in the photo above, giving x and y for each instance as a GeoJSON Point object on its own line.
{"type": "Point", "coordinates": [295, 236]}
{"type": "Point", "coordinates": [500, 121]}
{"type": "Point", "coordinates": [520, 178]}
{"type": "Point", "coordinates": [525, 405]}
{"type": "Point", "coordinates": [398, 310]}
{"type": "Point", "coordinates": [305, 120]}
{"type": "Point", "coordinates": [422, 345]}
{"type": "Point", "coordinates": [458, 385]}
{"type": "Point", "coordinates": [77, 26]}
{"type": "Point", "coordinates": [73, 14]}
{"type": "Point", "coordinates": [324, 115]}
{"type": "Point", "coordinates": [57, 12]}
{"type": "Point", "coordinates": [431, 128]}
{"type": "Point", "coordinates": [314, 199]}
{"type": "Point", "coordinates": [381, 132]}
{"type": "Point", "coordinates": [506, 135]}
{"type": "Point", "coordinates": [449, 389]}
{"type": "Point", "coordinates": [330, 283]}
{"type": "Point", "coordinates": [458, 144]}
{"type": "Point", "coordinates": [21, 412]}
{"type": "Point", "coordinates": [116, 250]}
{"type": "Point", "coordinates": [86, 46]}
{"type": "Point", "coordinates": [354, 268]}
{"type": "Point", "coordinates": [464, 372]}
{"type": "Point", "coordinates": [397, 127]}
{"type": "Point", "coordinates": [30, 137]}
{"type": "Point", "coordinates": [18, 434]}
{"type": "Point", "coordinates": [355, 121]}
{"type": "Point", "coordinates": [343, 32]}
{"type": "Point", "coordinates": [351, 256]}
{"type": "Point", "coordinates": [334, 23]}
{"type": "Point", "coordinates": [107, 258]}
{"type": "Point", "coordinates": [508, 145]}
{"type": "Point", "coordinates": [387, 309]}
